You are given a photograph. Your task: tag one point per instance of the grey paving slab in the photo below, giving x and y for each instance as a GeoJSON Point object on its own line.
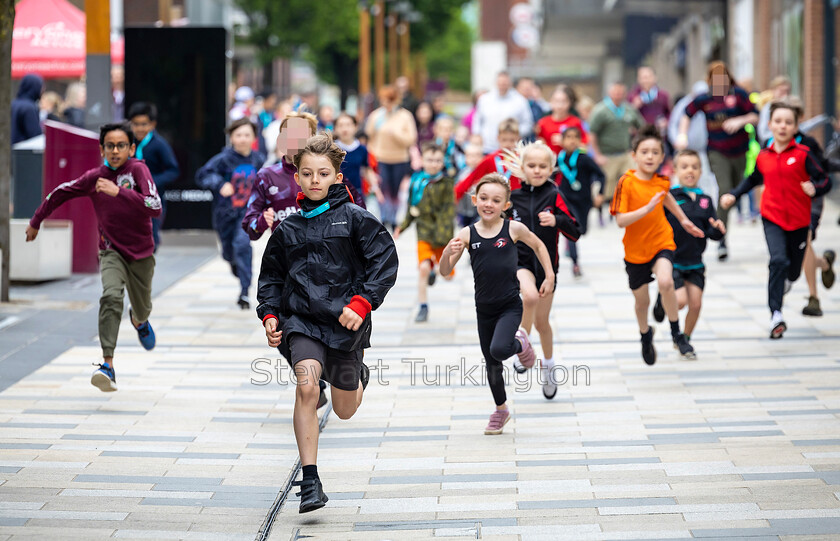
{"type": "Point", "coordinates": [600, 502]}
{"type": "Point", "coordinates": [119, 437]}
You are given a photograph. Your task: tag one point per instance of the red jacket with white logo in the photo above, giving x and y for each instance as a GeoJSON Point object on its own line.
{"type": "Point", "coordinates": [784, 202]}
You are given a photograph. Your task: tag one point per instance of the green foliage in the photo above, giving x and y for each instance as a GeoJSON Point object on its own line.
{"type": "Point", "coordinates": [448, 55]}
{"type": "Point", "coordinates": [328, 31]}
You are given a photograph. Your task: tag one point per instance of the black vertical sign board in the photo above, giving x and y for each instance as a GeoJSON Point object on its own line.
{"type": "Point", "coordinates": [183, 71]}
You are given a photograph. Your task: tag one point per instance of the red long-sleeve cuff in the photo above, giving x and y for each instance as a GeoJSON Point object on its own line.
{"type": "Point", "coordinates": [360, 305]}
{"type": "Point", "coordinates": [268, 316]}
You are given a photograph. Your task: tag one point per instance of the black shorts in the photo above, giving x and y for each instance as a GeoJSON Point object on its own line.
{"type": "Point", "coordinates": [340, 368]}
{"type": "Point", "coordinates": [639, 274]}
{"type": "Point", "coordinates": [693, 276]}
{"type": "Point", "coordinates": [538, 272]}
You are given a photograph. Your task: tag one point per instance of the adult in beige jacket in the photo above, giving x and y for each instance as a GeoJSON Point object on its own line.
{"type": "Point", "coordinates": [391, 131]}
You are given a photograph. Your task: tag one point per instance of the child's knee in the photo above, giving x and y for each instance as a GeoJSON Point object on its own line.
{"type": "Point", "coordinates": [695, 304]}
{"type": "Point", "coordinates": [112, 297]}
{"type": "Point", "coordinates": [530, 297]}
{"type": "Point", "coordinates": [344, 411]}
{"type": "Point", "coordinates": [665, 283]}
{"type": "Point", "coordinates": [308, 392]}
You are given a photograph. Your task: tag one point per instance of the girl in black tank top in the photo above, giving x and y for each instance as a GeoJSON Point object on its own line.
{"type": "Point", "coordinates": [497, 302]}
{"type": "Point", "coordinates": [494, 267]}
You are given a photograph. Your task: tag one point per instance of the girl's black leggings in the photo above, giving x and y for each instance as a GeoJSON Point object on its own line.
{"type": "Point", "coordinates": [497, 325]}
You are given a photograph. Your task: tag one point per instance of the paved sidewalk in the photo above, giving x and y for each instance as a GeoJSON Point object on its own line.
{"type": "Point", "coordinates": [741, 443]}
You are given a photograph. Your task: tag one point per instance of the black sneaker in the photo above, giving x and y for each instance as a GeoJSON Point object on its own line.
{"type": "Point", "coordinates": [723, 253]}
{"type": "Point", "coordinates": [104, 378]}
{"type": "Point", "coordinates": [432, 277]}
{"type": "Point", "coordinates": [311, 494]}
{"type": "Point", "coordinates": [828, 275]}
{"type": "Point", "coordinates": [686, 350]}
{"type": "Point", "coordinates": [243, 302]}
{"type": "Point", "coordinates": [658, 310]}
{"type": "Point", "coordinates": [422, 314]}
{"type": "Point", "coordinates": [364, 376]}
{"type": "Point", "coordinates": [648, 349]}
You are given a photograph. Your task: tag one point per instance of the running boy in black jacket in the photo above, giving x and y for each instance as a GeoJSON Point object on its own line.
{"type": "Point", "coordinates": [323, 271]}
{"type": "Point", "coordinates": [689, 270]}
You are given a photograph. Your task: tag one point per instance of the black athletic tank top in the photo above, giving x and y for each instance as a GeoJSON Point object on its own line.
{"type": "Point", "coordinates": [494, 266]}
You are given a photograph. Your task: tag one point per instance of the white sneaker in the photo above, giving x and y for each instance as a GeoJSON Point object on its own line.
{"type": "Point", "coordinates": [777, 325]}
{"type": "Point", "coordinates": [549, 386]}
{"type": "Point", "coordinates": [518, 365]}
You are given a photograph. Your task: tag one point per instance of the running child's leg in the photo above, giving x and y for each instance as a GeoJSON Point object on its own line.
{"type": "Point", "coordinates": [139, 287]}
{"type": "Point", "coordinates": [695, 303]}
{"type": "Point", "coordinates": [809, 268]}
{"type": "Point", "coordinates": [543, 325]}
{"type": "Point", "coordinates": [642, 298]}
{"type": "Point", "coordinates": [114, 271]}
{"type": "Point", "coordinates": [779, 262]}
{"type": "Point", "coordinates": [493, 367]}
{"type": "Point", "coordinates": [530, 296]}
{"type": "Point", "coordinates": [305, 417]}
{"type": "Point", "coordinates": [797, 243]}
{"type": "Point", "coordinates": [424, 270]}
{"type": "Point", "coordinates": [664, 272]}
{"type": "Point", "coordinates": [573, 252]}
{"type": "Point", "coordinates": [682, 296]}
{"type": "Point", "coordinates": [243, 258]}
{"type": "Point", "coordinates": [348, 376]}
{"type": "Point", "coordinates": [225, 235]}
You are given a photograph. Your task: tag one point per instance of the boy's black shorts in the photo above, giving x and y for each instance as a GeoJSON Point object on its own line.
{"type": "Point", "coordinates": [693, 276]}
{"type": "Point", "coordinates": [340, 368]}
{"type": "Point", "coordinates": [639, 274]}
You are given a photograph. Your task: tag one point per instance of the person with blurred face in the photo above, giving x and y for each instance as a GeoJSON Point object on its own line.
{"type": "Point", "coordinates": [391, 131]}
{"type": "Point", "coordinates": [230, 175]}
{"type": "Point", "coordinates": [611, 126]}
{"type": "Point", "coordinates": [652, 102]}
{"type": "Point", "coordinates": [728, 109]}
{"type": "Point", "coordinates": [498, 105]}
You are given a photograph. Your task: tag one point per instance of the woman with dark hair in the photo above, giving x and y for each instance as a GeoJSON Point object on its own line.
{"type": "Point", "coordinates": [391, 131]}
{"type": "Point", "coordinates": [728, 109]}
{"type": "Point", "coordinates": [424, 116]}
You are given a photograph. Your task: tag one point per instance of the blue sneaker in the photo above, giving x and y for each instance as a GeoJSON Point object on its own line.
{"type": "Point", "coordinates": [145, 333]}
{"type": "Point", "coordinates": [104, 378]}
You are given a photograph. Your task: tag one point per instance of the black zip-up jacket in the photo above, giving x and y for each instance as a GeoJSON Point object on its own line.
{"type": "Point", "coordinates": [689, 252]}
{"type": "Point", "coordinates": [527, 202]}
{"type": "Point", "coordinates": [313, 267]}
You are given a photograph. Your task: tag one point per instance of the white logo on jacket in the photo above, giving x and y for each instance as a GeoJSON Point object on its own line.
{"type": "Point", "coordinates": [791, 161]}
{"type": "Point", "coordinates": [273, 190]}
{"type": "Point", "coordinates": [126, 180]}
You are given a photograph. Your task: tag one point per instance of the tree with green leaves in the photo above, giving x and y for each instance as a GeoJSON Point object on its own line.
{"type": "Point", "coordinates": [7, 23]}
{"type": "Point", "coordinates": [326, 32]}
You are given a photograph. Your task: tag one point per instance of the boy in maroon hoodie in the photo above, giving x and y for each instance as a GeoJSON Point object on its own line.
{"type": "Point", "coordinates": [125, 201]}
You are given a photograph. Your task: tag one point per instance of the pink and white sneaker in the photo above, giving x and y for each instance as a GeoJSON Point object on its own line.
{"type": "Point", "coordinates": [498, 420]}
{"type": "Point", "coordinates": [527, 355]}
